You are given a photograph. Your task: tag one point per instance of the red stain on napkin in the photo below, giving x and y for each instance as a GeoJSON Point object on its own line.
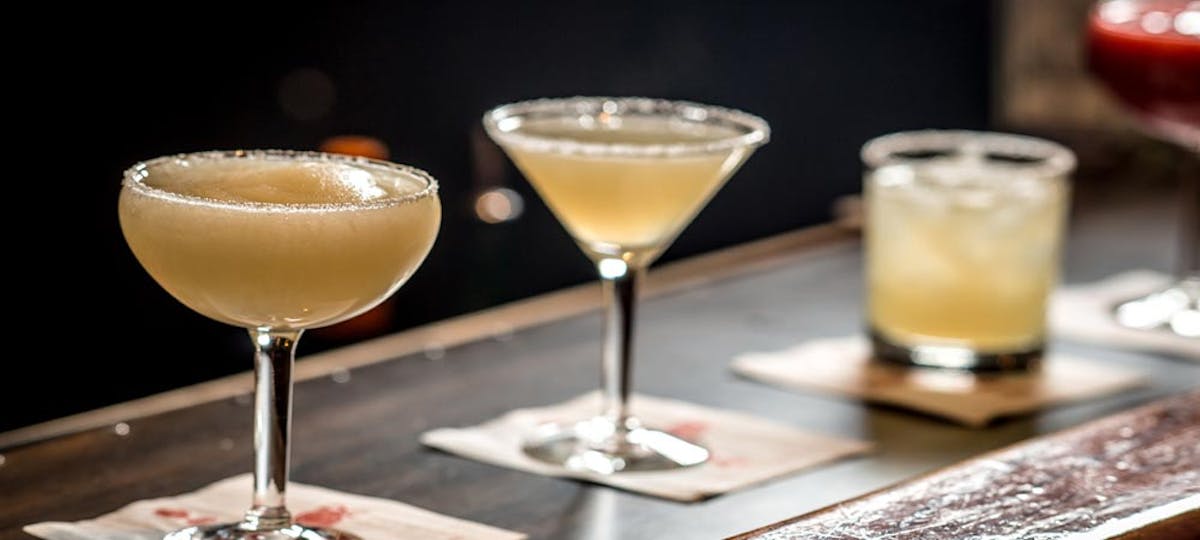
{"type": "Point", "coordinates": [178, 513]}
{"type": "Point", "coordinates": [690, 430]}
{"type": "Point", "coordinates": [728, 462]}
{"type": "Point", "coordinates": [185, 515]}
{"type": "Point", "coordinates": [323, 516]}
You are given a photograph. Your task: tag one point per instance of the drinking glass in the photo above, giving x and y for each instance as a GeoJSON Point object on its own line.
{"type": "Point", "coordinates": [1147, 52]}
{"type": "Point", "coordinates": [276, 242]}
{"type": "Point", "coordinates": [624, 176]}
{"type": "Point", "coordinates": [963, 239]}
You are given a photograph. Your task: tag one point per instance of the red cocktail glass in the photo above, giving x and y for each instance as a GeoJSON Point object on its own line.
{"type": "Point", "coordinates": [1147, 52]}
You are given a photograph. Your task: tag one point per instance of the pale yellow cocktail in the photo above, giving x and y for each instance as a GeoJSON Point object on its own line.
{"type": "Point", "coordinates": [963, 266]}
{"type": "Point", "coordinates": [962, 253]}
{"type": "Point", "coordinates": [620, 205]}
{"type": "Point", "coordinates": [278, 243]}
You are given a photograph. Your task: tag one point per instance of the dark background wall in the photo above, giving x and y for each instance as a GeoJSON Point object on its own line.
{"type": "Point", "coordinates": [417, 76]}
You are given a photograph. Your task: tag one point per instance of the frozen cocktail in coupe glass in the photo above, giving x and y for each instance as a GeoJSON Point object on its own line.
{"type": "Point", "coordinates": [276, 242]}
{"type": "Point", "coordinates": [1147, 52]}
{"type": "Point", "coordinates": [624, 176]}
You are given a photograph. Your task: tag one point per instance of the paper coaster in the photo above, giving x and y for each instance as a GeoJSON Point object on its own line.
{"type": "Point", "coordinates": [745, 450]}
{"type": "Point", "coordinates": [225, 501]}
{"type": "Point", "coordinates": [1084, 313]}
{"type": "Point", "coordinates": [842, 366]}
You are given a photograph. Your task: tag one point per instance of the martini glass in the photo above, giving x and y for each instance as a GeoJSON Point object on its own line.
{"type": "Point", "coordinates": [1148, 54]}
{"type": "Point", "coordinates": [624, 176]}
{"type": "Point", "coordinates": [276, 242]}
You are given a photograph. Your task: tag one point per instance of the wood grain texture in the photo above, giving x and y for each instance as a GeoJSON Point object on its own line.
{"type": "Point", "coordinates": [1109, 478]}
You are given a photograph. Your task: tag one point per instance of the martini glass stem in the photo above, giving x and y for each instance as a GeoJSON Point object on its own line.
{"type": "Point", "coordinates": [275, 352]}
{"type": "Point", "coordinates": [620, 290]}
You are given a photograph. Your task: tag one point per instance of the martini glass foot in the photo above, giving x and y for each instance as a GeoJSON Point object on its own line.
{"type": "Point", "coordinates": [235, 531]}
{"type": "Point", "coordinates": [1175, 309]}
{"type": "Point", "coordinates": [595, 446]}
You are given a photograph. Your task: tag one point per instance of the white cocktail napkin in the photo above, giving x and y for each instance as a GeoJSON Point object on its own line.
{"type": "Point", "coordinates": [368, 517]}
{"type": "Point", "coordinates": [842, 366]}
{"type": "Point", "coordinates": [1085, 313]}
{"type": "Point", "coordinates": [745, 450]}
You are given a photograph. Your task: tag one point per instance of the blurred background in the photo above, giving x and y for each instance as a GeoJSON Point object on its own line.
{"type": "Point", "coordinates": [410, 80]}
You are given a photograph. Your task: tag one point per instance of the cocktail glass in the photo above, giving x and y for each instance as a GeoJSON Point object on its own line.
{"type": "Point", "coordinates": [276, 242]}
{"type": "Point", "coordinates": [624, 176]}
{"type": "Point", "coordinates": [1147, 52]}
{"type": "Point", "coordinates": [963, 238]}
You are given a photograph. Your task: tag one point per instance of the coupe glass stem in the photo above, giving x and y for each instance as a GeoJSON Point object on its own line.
{"type": "Point", "coordinates": [275, 351]}
{"type": "Point", "coordinates": [620, 292]}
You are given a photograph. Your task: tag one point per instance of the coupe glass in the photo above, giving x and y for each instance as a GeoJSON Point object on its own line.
{"type": "Point", "coordinates": [276, 242]}
{"type": "Point", "coordinates": [624, 176]}
{"type": "Point", "coordinates": [1147, 52]}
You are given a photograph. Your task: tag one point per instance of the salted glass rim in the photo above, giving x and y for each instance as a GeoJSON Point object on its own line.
{"type": "Point", "coordinates": [502, 123]}
{"type": "Point", "coordinates": [1053, 159]}
{"type": "Point", "coordinates": [134, 176]}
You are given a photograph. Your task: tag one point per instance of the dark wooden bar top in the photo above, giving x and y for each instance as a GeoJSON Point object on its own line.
{"type": "Point", "coordinates": [360, 410]}
{"type": "Point", "coordinates": [1135, 473]}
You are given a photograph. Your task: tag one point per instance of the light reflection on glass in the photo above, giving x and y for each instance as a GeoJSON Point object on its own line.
{"type": "Point", "coordinates": [612, 268]}
{"type": "Point", "coordinates": [945, 381]}
{"type": "Point", "coordinates": [1118, 12]}
{"type": "Point", "coordinates": [1156, 22]}
{"type": "Point", "coordinates": [1186, 323]}
{"type": "Point", "coordinates": [1188, 22]}
{"type": "Point", "coordinates": [1149, 313]}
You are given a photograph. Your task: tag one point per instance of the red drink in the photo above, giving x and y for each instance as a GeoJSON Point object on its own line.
{"type": "Point", "coordinates": [1148, 53]}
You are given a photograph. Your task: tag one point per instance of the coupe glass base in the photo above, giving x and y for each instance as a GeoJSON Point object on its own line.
{"type": "Point", "coordinates": [1175, 309]}
{"type": "Point", "coordinates": [234, 531]}
{"type": "Point", "coordinates": [952, 357]}
{"type": "Point", "coordinates": [594, 446]}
